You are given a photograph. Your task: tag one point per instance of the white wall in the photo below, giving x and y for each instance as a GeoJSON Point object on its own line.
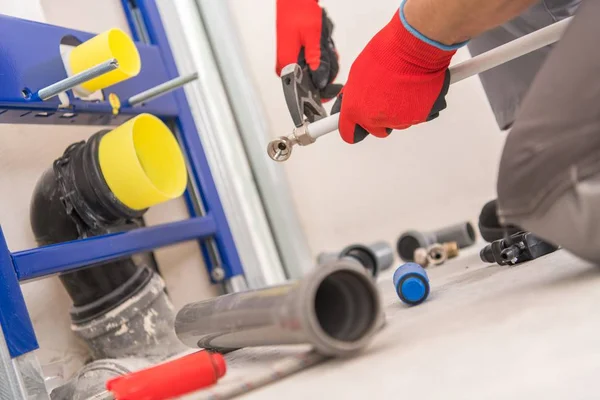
{"type": "Point", "coordinates": [428, 176]}
{"type": "Point", "coordinates": [27, 150]}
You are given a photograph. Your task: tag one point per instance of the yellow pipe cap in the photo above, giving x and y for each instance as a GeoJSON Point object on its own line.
{"type": "Point", "coordinates": [113, 43]}
{"type": "Point", "coordinates": [142, 163]}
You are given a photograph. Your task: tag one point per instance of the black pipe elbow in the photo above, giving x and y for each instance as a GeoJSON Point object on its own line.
{"type": "Point", "coordinates": [71, 201]}
{"type": "Point", "coordinates": [364, 255]}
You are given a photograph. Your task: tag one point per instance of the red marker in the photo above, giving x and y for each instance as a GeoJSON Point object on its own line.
{"type": "Point", "coordinates": [174, 378]}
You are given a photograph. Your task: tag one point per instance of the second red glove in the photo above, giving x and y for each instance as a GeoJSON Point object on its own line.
{"type": "Point", "coordinates": [304, 37]}
{"type": "Point", "coordinates": [397, 81]}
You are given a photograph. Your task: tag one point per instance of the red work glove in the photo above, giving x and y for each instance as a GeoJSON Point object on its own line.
{"type": "Point", "coordinates": [400, 79]}
{"type": "Point", "coordinates": [304, 37]}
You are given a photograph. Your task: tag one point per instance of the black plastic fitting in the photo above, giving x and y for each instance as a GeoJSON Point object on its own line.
{"type": "Point", "coordinates": [71, 201]}
{"type": "Point", "coordinates": [518, 248]}
{"type": "Point", "coordinates": [489, 225]}
{"type": "Point", "coordinates": [375, 257]}
{"type": "Point", "coordinates": [364, 255]}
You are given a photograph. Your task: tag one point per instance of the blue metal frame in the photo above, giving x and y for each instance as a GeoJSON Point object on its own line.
{"type": "Point", "coordinates": [33, 64]}
{"type": "Point", "coordinates": [14, 318]}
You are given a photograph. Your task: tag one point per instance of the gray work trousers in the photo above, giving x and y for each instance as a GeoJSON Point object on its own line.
{"type": "Point", "coordinates": [549, 177]}
{"type": "Point", "coordinates": [506, 84]}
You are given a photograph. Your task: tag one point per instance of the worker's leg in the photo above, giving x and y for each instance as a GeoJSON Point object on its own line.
{"type": "Point", "coordinates": [572, 220]}
{"type": "Point", "coordinates": [549, 180]}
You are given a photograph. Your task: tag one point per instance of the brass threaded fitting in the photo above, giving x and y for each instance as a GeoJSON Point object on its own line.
{"type": "Point", "coordinates": [420, 257]}
{"type": "Point", "coordinates": [451, 249]}
{"type": "Point", "coordinates": [436, 254]}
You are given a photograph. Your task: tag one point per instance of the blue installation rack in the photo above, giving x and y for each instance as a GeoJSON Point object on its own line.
{"type": "Point", "coordinates": [30, 60]}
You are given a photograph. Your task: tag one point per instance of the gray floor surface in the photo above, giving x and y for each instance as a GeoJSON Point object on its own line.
{"type": "Point", "coordinates": [486, 332]}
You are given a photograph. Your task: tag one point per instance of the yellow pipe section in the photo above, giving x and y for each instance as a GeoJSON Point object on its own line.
{"type": "Point", "coordinates": [142, 163]}
{"type": "Point", "coordinates": [113, 43]}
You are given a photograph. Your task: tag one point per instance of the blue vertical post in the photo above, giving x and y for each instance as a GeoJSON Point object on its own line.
{"type": "Point", "coordinates": [200, 169]}
{"type": "Point", "coordinates": [14, 317]}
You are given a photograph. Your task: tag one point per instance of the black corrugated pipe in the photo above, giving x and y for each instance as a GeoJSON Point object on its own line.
{"type": "Point", "coordinates": [74, 199]}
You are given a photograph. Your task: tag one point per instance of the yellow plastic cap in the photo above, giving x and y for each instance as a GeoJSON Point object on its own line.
{"type": "Point", "coordinates": [113, 43]}
{"type": "Point", "coordinates": [142, 163]}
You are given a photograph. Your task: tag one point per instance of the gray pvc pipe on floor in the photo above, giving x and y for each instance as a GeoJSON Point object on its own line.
{"type": "Point", "coordinates": [463, 234]}
{"type": "Point", "coordinates": [336, 308]}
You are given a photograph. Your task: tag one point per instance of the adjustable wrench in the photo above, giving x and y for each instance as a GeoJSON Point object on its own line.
{"type": "Point", "coordinates": [302, 97]}
{"type": "Point", "coordinates": [307, 133]}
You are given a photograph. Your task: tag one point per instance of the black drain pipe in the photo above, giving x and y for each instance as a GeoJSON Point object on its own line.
{"type": "Point", "coordinates": [72, 201]}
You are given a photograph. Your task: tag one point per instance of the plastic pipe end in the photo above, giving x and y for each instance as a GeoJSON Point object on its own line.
{"type": "Point", "coordinates": [411, 283]}
{"type": "Point", "coordinates": [142, 163]}
{"type": "Point", "coordinates": [409, 241]}
{"type": "Point", "coordinates": [113, 43]}
{"type": "Point", "coordinates": [413, 289]}
{"type": "Point", "coordinates": [219, 362]}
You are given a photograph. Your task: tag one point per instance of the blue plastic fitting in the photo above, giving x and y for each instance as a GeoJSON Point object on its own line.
{"type": "Point", "coordinates": [411, 283]}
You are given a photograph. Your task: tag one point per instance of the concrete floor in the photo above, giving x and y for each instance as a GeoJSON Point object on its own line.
{"type": "Point", "coordinates": [486, 332]}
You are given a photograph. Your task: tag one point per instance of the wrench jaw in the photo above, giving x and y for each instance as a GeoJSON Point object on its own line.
{"type": "Point", "coordinates": [303, 100]}
{"type": "Point", "coordinates": [280, 149]}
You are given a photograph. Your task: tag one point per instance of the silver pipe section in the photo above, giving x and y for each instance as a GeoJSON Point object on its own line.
{"type": "Point", "coordinates": [336, 308]}
{"type": "Point", "coordinates": [161, 89]}
{"type": "Point", "coordinates": [77, 79]}
{"type": "Point", "coordinates": [214, 119]}
{"type": "Point", "coordinates": [251, 116]}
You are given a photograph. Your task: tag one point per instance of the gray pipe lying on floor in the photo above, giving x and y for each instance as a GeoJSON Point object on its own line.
{"type": "Point", "coordinates": [463, 234]}
{"type": "Point", "coordinates": [336, 308]}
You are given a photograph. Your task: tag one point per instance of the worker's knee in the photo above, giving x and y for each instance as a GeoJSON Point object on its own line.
{"type": "Point", "coordinates": [558, 204]}
{"type": "Point", "coordinates": [570, 220]}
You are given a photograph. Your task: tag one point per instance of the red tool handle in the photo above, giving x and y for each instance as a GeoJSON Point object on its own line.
{"type": "Point", "coordinates": [174, 378]}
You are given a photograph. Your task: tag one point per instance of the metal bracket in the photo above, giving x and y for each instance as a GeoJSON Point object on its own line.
{"type": "Point", "coordinates": [28, 65]}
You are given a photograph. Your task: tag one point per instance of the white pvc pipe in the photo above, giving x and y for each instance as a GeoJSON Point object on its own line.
{"type": "Point", "coordinates": [476, 65]}
{"type": "Point", "coordinates": [324, 126]}
{"type": "Point", "coordinates": [509, 51]}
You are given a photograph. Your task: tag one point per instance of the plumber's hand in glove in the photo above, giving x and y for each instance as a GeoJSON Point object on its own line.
{"type": "Point", "coordinates": [304, 38]}
{"type": "Point", "coordinates": [400, 79]}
